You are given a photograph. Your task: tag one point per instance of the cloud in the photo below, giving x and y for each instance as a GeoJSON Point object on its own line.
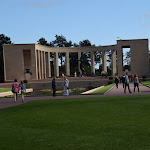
{"type": "Point", "coordinates": [42, 4]}
{"type": "Point", "coordinates": [146, 15]}
{"type": "Point", "coordinates": [145, 25]}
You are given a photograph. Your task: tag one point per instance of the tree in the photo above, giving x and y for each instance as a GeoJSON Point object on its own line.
{"type": "Point", "coordinates": [85, 43]}
{"type": "Point", "coordinates": [127, 60]}
{"type": "Point", "coordinates": [42, 41]}
{"type": "Point", "coordinates": [3, 40]}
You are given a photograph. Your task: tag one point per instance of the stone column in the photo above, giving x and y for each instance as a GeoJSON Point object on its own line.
{"type": "Point", "coordinates": [44, 66]}
{"type": "Point", "coordinates": [67, 64]}
{"type": "Point", "coordinates": [36, 61]}
{"type": "Point", "coordinates": [104, 64]}
{"type": "Point", "coordinates": [92, 62]}
{"type": "Point", "coordinates": [49, 65]}
{"type": "Point", "coordinates": [113, 63]}
{"type": "Point", "coordinates": [56, 67]}
{"type": "Point", "coordinates": [79, 62]}
{"type": "Point", "coordinates": [39, 60]}
{"type": "Point", "coordinates": [120, 60]}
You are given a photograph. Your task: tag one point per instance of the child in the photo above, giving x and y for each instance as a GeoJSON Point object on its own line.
{"type": "Point", "coordinates": [15, 89]}
{"type": "Point", "coordinates": [23, 90]}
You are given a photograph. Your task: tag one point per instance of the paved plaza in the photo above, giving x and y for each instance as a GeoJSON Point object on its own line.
{"type": "Point", "coordinates": [9, 102]}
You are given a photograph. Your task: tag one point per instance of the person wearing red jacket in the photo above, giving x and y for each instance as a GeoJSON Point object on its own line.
{"type": "Point", "coordinates": [131, 77]}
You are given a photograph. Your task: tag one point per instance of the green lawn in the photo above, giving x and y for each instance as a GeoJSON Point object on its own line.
{"type": "Point", "coordinates": [103, 89]}
{"type": "Point", "coordinates": [147, 83]}
{"type": "Point", "coordinates": [5, 90]}
{"type": "Point", "coordinates": [110, 123]}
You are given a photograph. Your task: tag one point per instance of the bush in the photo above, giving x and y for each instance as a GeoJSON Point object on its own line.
{"type": "Point", "coordinates": [110, 78]}
{"type": "Point", "coordinates": [25, 81]}
{"type": "Point", "coordinates": [144, 78]}
{"type": "Point", "coordinates": [110, 82]}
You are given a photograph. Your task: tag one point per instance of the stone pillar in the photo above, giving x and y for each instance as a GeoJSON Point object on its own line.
{"type": "Point", "coordinates": [56, 67]}
{"type": "Point", "coordinates": [39, 60]}
{"type": "Point", "coordinates": [120, 60]}
{"type": "Point", "coordinates": [42, 66]}
{"type": "Point", "coordinates": [92, 62]}
{"type": "Point", "coordinates": [67, 62]}
{"type": "Point", "coordinates": [36, 61]}
{"type": "Point", "coordinates": [49, 65]}
{"type": "Point", "coordinates": [104, 64]}
{"type": "Point", "coordinates": [113, 63]}
{"type": "Point", "coordinates": [79, 62]}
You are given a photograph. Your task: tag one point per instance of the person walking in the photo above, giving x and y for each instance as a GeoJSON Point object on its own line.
{"type": "Point", "coordinates": [123, 80]}
{"type": "Point", "coordinates": [131, 77]}
{"type": "Point", "coordinates": [136, 83]}
{"type": "Point", "coordinates": [15, 90]}
{"type": "Point", "coordinates": [116, 81]}
{"type": "Point", "coordinates": [65, 86]}
{"type": "Point", "coordinates": [54, 86]}
{"type": "Point", "coordinates": [23, 90]}
{"type": "Point", "coordinates": [127, 83]}
{"type": "Point", "coordinates": [75, 74]}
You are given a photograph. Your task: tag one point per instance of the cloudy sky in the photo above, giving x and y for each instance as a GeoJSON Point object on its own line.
{"type": "Point", "coordinates": [100, 21]}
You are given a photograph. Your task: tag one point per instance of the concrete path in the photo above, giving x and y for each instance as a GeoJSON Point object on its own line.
{"type": "Point", "coordinates": [120, 91]}
{"type": "Point", "coordinates": [88, 92]}
{"type": "Point", "coordinates": [9, 102]}
{"type": "Point", "coordinates": [10, 92]}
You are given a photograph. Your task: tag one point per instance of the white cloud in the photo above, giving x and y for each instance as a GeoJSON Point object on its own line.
{"type": "Point", "coordinates": [146, 15]}
{"type": "Point", "coordinates": [145, 25]}
{"type": "Point", "coordinates": [42, 4]}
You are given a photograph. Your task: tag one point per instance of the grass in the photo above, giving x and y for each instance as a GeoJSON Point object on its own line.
{"type": "Point", "coordinates": [103, 89]}
{"type": "Point", "coordinates": [5, 90]}
{"type": "Point", "coordinates": [110, 123]}
{"type": "Point", "coordinates": [147, 83]}
{"type": "Point", "coordinates": [74, 89]}
{"type": "Point", "coordinates": [60, 91]}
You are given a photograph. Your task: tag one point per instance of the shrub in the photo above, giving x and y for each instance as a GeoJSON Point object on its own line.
{"type": "Point", "coordinates": [110, 78]}
{"type": "Point", "coordinates": [110, 82]}
{"type": "Point", "coordinates": [25, 81]}
{"type": "Point", "coordinates": [144, 78]}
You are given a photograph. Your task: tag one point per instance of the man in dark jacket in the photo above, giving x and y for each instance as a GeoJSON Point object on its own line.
{"type": "Point", "coordinates": [54, 86]}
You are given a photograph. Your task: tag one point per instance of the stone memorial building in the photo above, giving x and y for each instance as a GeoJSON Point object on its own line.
{"type": "Point", "coordinates": [32, 61]}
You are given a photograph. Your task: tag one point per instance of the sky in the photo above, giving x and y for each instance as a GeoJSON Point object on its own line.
{"type": "Point", "coordinates": [100, 21]}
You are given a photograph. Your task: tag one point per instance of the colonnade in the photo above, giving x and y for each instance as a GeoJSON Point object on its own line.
{"type": "Point", "coordinates": [43, 66]}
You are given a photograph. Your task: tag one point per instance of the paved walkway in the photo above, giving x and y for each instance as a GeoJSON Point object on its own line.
{"type": "Point", "coordinates": [9, 102]}
{"type": "Point", "coordinates": [10, 92]}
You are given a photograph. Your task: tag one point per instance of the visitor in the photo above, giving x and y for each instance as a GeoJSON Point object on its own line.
{"type": "Point", "coordinates": [116, 81]}
{"type": "Point", "coordinates": [81, 73]}
{"type": "Point", "coordinates": [131, 77]}
{"type": "Point", "coordinates": [54, 86]}
{"type": "Point", "coordinates": [136, 83]}
{"type": "Point", "coordinates": [123, 80]}
{"type": "Point", "coordinates": [15, 90]}
{"type": "Point", "coordinates": [23, 90]}
{"type": "Point", "coordinates": [65, 86]}
{"type": "Point", "coordinates": [106, 74]}
{"type": "Point", "coordinates": [127, 83]}
{"type": "Point", "coordinates": [75, 74]}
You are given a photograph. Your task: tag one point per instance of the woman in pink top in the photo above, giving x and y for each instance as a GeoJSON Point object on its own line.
{"type": "Point", "coordinates": [15, 89]}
